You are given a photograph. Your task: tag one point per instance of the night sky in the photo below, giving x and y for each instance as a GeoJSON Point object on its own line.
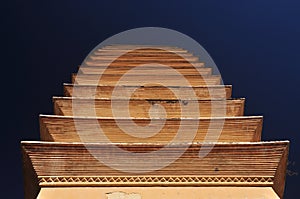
{"type": "Point", "coordinates": [256, 45]}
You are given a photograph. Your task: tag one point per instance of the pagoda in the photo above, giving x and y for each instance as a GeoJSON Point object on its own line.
{"type": "Point", "coordinates": [151, 122]}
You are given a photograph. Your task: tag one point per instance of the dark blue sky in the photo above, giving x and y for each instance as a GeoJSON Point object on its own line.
{"type": "Point", "coordinates": [254, 43]}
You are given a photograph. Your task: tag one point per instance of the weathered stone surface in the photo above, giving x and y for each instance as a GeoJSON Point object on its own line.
{"type": "Point", "coordinates": [123, 195]}
{"type": "Point", "coordinates": [158, 193]}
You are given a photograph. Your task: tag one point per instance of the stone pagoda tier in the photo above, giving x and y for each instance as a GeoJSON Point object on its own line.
{"type": "Point", "coordinates": [66, 163]}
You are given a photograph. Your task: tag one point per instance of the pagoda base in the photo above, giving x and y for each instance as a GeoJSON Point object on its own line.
{"type": "Point", "coordinates": [157, 192]}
